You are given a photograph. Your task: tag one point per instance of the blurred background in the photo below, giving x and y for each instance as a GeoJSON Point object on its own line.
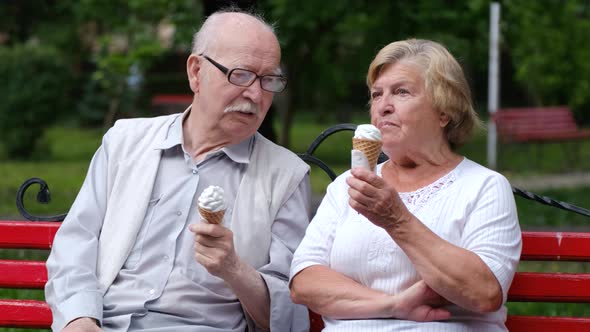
{"type": "Point", "coordinates": [69, 69]}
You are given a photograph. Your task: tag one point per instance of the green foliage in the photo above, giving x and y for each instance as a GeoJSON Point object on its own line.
{"type": "Point", "coordinates": [35, 92]}
{"type": "Point", "coordinates": [334, 42]}
{"type": "Point", "coordinates": [548, 44]}
{"type": "Point", "coordinates": [110, 44]}
{"type": "Point", "coordinates": [328, 46]}
{"type": "Point", "coordinates": [125, 41]}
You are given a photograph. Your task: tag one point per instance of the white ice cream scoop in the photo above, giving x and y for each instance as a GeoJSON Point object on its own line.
{"type": "Point", "coordinates": [212, 199]}
{"type": "Point", "coordinates": [367, 131]}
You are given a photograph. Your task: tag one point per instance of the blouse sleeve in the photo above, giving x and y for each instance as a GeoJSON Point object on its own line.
{"type": "Point", "coordinates": [492, 230]}
{"type": "Point", "coordinates": [317, 244]}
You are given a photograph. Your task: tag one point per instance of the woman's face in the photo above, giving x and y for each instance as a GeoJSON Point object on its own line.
{"type": "Point", "coordinates": [401, 108]}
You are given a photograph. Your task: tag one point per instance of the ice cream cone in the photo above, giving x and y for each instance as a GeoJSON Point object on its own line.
{"type": "Point", "coordinates": [371, 149]}
{"type": "Point", "coordinates": [212, 217]}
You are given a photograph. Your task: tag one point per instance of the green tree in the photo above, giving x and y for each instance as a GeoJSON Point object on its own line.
{"type": "Point", "coordinates": [35, 92]}
{"type": "Point", "coordinates": [104, 41]}
{"type": "Point", "coordinates": [327, 46]}
{"type": "Point", "coordinates": [126, 38]}
{"type": "Point", "coordinates": [548, 44]}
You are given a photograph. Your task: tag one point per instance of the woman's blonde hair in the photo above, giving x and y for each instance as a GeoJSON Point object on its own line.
{"type": "Point", "coordinates": [444, 80]}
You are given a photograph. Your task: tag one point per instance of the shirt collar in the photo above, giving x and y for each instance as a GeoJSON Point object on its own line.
{"type": "Point", "coordinates": [174, 134]}
{"type": "Point", "coordinates": [239, 152]}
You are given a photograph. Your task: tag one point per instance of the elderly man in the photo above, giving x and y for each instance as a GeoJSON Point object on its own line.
{"type": "Point", "coordinates": [133, 252]}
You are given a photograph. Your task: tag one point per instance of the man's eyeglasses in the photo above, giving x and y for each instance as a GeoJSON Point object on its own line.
{"type": "Point", "coordinates": [245, 78]}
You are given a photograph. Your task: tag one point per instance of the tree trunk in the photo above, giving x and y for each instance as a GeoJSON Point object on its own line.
{"type": "Point", "coordinates": [114, 106]}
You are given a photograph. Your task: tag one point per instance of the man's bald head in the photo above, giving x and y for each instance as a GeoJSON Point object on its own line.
{"type": "Point", "coordinates": [227, 22]}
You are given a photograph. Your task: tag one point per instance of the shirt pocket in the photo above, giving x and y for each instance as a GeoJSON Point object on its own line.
{"type": "Point", "coordinates": [135, 254]}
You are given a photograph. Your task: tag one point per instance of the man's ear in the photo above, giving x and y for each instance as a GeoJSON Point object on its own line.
{"type": "Point", "coordinates": [193, 65]}
{"type": "Point", "coordinates": [444, 119]}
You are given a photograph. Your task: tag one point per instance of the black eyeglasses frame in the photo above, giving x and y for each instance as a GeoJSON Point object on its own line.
{"type": "Point", "coordinates": [228, 72]}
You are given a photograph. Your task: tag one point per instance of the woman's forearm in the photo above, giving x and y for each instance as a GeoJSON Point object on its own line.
{"type": "Point", "coordinates": [455, 273]}
{"type": "Point", "coordinates": [334, 295]}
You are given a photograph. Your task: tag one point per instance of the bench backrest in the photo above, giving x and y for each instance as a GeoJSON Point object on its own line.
{"type": "Point", "coordinates": [525, 124]}
{"type": "Point", "coordinates": [171, 103]}
{"type": "Point", "coordinates": [527, 286]}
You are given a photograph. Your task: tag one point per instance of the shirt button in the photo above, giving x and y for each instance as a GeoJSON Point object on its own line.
{"type": "Point", "coordinates": [152, 291]}
{"type": "Point", "coordinates": [194, 171]}
{"type": "Point", "coordinates": [166, 258]}
{"type": "Point", "coordinates": [179, 213]}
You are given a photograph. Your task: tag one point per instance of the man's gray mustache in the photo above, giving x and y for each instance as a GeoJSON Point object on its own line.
{"type": "Point", "coordinates": [245, 107]}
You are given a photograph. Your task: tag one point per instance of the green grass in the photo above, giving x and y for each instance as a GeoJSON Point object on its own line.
{"type": "Point", "coordinates": [63, 177]}
{"type": "Point", "coordinates": [533, 215]}
{"type": "Point", "coordinates": [72, 144]}
{"type": "Point", "coordinates": [64, 169]}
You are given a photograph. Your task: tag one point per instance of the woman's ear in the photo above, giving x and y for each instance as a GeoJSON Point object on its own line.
{"type": "Point", "coordinates": [193, 66]}
{"type": "Point", "coordinates": [444, 119]}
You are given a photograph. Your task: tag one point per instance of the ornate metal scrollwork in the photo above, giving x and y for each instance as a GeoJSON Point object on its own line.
{"type": "Point", "coordinates": [550, 201]}
{"type": "Point", "coordinates": [43, 197]}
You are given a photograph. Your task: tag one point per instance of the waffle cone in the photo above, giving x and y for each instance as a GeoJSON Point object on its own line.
{"type": "Point", "coordinates": [212, 217]}
{"type": "Point", "coordinates": [369, 147]}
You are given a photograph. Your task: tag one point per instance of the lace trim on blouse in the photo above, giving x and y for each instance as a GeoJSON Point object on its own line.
{"type": "Point", "coordinates": [420, 197]}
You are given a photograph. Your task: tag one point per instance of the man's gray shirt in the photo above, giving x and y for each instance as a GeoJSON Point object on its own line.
{"type": "Point", "coordinates": [161, 286]}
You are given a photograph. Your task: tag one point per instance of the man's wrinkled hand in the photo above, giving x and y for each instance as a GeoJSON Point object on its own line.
{"type": "Point", "coordinates": [214, 249]}
{"type": "Point", "coordinates": [420, 303]}
{"type": "Point", "coordinates": [83, 324]}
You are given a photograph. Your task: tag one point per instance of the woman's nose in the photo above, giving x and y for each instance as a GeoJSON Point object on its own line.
{"type": "Point", "coordinates": [386, 109]}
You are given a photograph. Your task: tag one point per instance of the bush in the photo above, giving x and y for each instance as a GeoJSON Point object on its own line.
{"type": "Point", "coordinates": [34, 91]}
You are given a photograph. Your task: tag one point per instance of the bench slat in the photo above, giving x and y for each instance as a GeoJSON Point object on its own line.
{"type": "Point", "coordinates": [561, 246]}
{"type": "Point", "coordinates": [25, 313]}
{"type": "Point", "coordinates": [550, 287]}
{"type": "Point", "coordinates": [547, 324]}
{"type": "Point", "coordinates": [172, 99]}
{"type": "Point", "coordinates": [23, 274]}
{"type": "Point", "coordinates": [513, 323]}
{"type": "Point", "coordinates": [27, 234]}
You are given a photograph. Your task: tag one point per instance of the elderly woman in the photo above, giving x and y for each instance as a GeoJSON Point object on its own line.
{"type": "Point", "coordinates": [431, 241]}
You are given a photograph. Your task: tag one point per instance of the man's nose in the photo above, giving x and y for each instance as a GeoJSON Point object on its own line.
{"type": "Point", "coordinates": [254, 91]}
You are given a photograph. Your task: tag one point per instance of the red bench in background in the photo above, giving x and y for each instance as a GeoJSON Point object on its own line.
{"type": "Point", "coordinates": [538, 125]}
{"type": "Point", "coordinates": [541, 125]}
{"type": "Point", "coordinates": [527, 286]}
{"type": "Point", "coordinates": [171, 103]}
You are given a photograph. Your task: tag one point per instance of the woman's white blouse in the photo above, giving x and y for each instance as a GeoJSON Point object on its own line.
{"type": "Point", "coordinates": [472, 207]}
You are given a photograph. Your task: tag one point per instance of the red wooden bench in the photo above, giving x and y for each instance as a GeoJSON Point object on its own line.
{"type": "Point", "coordinates": [171, 103]}
{"type": "Point", "coordinates": [538, 125]}
{"type": "Point", "coordinates": [527, 286]}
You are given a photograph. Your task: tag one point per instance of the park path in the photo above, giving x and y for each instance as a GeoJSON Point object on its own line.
{"type": "Point", "coordinates": [544, 182]}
